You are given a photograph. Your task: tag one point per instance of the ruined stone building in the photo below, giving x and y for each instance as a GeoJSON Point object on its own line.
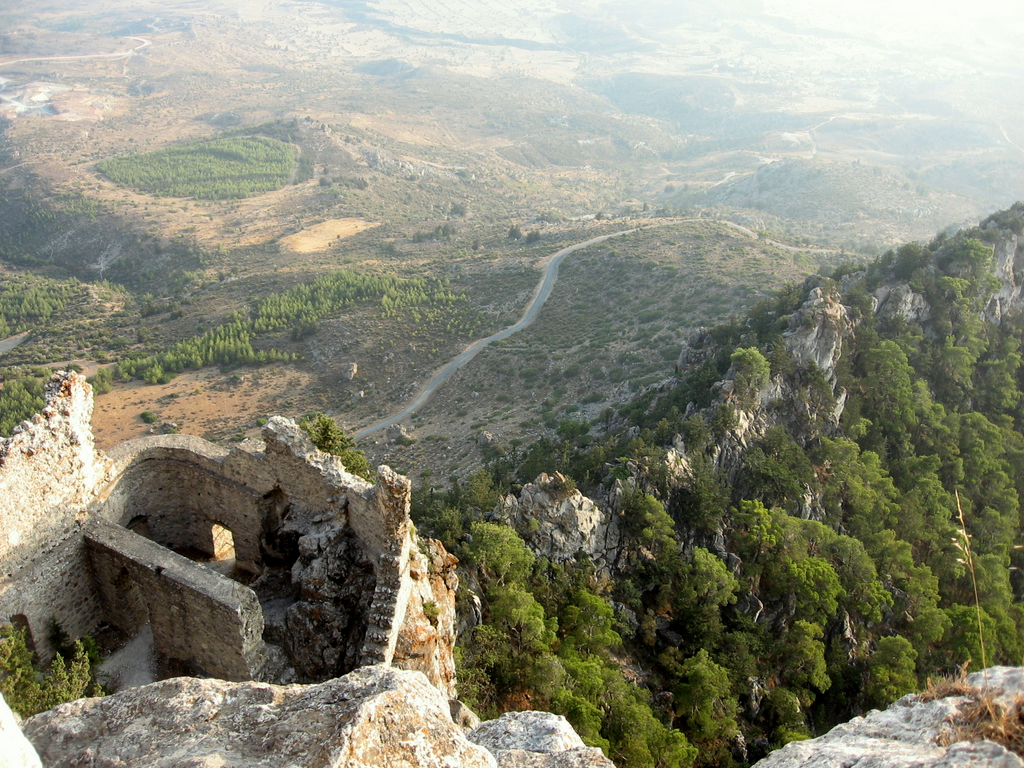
{"type": "Point", "coordinates": [328, 572]}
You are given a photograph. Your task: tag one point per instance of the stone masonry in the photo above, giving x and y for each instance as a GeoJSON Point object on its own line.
{"type": "Point", "coordinates": [335, 578]}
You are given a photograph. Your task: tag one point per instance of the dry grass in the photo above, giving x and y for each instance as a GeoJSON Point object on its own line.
{"type": "Point", "coordinates": [986, 717]}
{"type": "Point", "coordinates": [321, 236]}
{"type": "Point", "coordinates": [954, 685]}
{"type": "Point", "coordinates": [983, 716]}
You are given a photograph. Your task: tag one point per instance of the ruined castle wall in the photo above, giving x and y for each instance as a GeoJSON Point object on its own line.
{"type": "Point", "coordinates": [65, 553]}
{"type": "Point", "coordinates": [181, 500]}
{"type": "Point", "coordinates": [56, 586]}
{"type": "Point", "coordinates": [48, 469]}
{"type": "Point", "coordinates": [197, 616]}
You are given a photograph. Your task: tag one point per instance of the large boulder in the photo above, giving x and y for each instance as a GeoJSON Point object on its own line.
{"type": "Point", "coordinates": [917, 731]}
{"type": "Point", "coordinates": [536, 740]}
{"type": "Point", "coordinates": [557, 521]}
{"type": "Point", "coordinates": [375, 716]}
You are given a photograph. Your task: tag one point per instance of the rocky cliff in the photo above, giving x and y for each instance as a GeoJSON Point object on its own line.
{"type": "Point", "coordinates": [923, 731]}
{"type": "Point", "coordinates": [375, 716]}
{"type": "Point", "coordinates": [558, 522]}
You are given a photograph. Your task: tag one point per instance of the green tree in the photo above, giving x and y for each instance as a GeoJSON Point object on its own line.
{"type": "Point", "coordinates": [330, 438]}
{"type": "Point", "coordinates": [29, 690]}
{"type": "Point", "coordinates": [890, 671]}
{"type": "Point", "coordinates": [705, 701]}
{"type": "Point", "coordinates": [751, 371]}
{"type": "Point", "coordinates": [499, 552]}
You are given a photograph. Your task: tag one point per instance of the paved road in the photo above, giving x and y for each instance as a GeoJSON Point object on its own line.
{"type": "Point", "coordinates": [540, 295]}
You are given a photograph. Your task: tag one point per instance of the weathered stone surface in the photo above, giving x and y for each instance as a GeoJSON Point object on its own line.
{"type": "Point", "coordinates": [426, 641]}
{"type": "Point", "coordinates": [375, 716]}
{"type": "Point", "coordinates": [338, 567]}
{"type": "Point", "coordinates": [907, 734]}
{"type": "Point", "coordinates": [558, 524]}
{"type": "Point", "coordinates": [15, 749]}
{"type": "Point", "coordinates": [224, 618]}
{"type": "Point", "coordinates": [463, 716]}
{"type": "Point", "coordinates": [49, 472]}
{"type": "Point", "coordinates": [527, 731]}
{"type": "Point", "coordinates": [536, 740]}
{"type": "Point", "coordinates": [398, 433]}
{"type": "Point", "coordinates": [581, 757]}
{"type": "Point", "coordinates": [1009, 269]}
{"type": "Point", "coordinates": [901, 303]}
{"type": "Point", "coordinates": [817, 331]}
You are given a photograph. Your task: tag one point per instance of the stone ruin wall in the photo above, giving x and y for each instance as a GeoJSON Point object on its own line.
{"type": "Point", "coordinates": [48, 471]}
{"type": "Point", "coordinates": [213, 622]}
{"type": "Point", "coordinates": [174, 488]}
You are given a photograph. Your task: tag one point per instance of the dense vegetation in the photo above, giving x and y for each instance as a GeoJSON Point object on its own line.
{"type": "Point", "coordinates": [428, 303]}
{"type": "Point", "coordinates": [29, 689]}
{"type": "Point", "coordinates": [28, 218]}
{"type": "Point", "coordinates": [210, 170]}
{"type": "Point", "coordinates": [29, 302]}
{"type": "Point", "coordinates": [777, 586]}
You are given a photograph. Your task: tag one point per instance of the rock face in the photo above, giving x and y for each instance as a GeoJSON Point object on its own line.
{"type": "Point", "coordinates": [557, 524]}
{"type": "Point", "coordinates": [529, 731]}
{"type": "Point", "coordinates": [15, 749]}
{"type": "Point", "coordinates": [1009, 257]}
{"type": "Point", "coordinates": [375, 716]}
{"type": "Point", "coordinates": [817, 331]}
{"type": "Point", "coordinates": [536, 740]}
{"type": "Point", "coordinates": [426, 641]}
{"type": "Point", "coordinates": [911, 732]}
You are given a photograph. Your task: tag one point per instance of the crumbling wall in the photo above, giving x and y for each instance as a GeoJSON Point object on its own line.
{"type": "Point", "coordinates": [175, 486]}
{"type": "Point", "coordinates": [48, 470]}
{"type": "Point", "coordinates": [343, 573]}
{"type": "Point", "coordinates": [200, 618]}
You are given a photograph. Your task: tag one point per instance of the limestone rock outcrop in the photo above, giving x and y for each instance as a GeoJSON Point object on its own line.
{"type": "Point", "coordinates": [900, 302]}
{"type": "Point", "coordinates": [536, 740]}
{"type": "Point", "coordinates": [1009, 269]}
{"type": "Point", "coordinates": [817, 331]}
{"type": "Point", "coordinates": [375, 716]}
{"type": "Point", "coordinates": [557, 523]}
{"type": "Point", "coordinates": [912, 732]}
{"type": "Point", "coordinates": [426, 641]}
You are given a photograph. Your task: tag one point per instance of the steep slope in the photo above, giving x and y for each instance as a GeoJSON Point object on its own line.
{"type": "Point", "coordinates": [805, 514]}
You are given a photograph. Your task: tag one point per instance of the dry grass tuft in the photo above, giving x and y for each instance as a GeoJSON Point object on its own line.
{"type": "Point", "coordinates": [954, 685]}
{"type": "Point", "coordinates": [982, 716]}
{"type": "Point", "coordinates": [985, 717]}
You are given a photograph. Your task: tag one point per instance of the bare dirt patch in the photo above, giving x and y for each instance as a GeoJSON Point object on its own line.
{"type": "Point", "coordinates": [207, 403]}
{"type": "Point", "coordinates": [320, 236]}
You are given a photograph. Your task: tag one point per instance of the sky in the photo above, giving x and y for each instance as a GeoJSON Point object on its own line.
{"type": "Point", "coordinates": [948, 14]}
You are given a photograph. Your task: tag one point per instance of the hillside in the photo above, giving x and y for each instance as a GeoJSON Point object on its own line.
{"type": "Point", "coordinates": [793, 530]}
{"type": "Point", "coordinates": [411, 139]}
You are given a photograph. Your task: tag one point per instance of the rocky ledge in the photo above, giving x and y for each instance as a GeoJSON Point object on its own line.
{"type": "Point", "coordinates": [374, 716]}
{"type": "Point", "coordinates": [921, 731]}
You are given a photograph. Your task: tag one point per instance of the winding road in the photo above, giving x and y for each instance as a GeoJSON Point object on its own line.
{"type": "Point", "coordinates": [540, 295]}
{"type": "Point", "coordinates": [110, 56]}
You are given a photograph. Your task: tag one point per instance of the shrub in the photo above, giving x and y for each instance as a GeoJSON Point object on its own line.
{"type": "Point", "coordinates": [28, 689]}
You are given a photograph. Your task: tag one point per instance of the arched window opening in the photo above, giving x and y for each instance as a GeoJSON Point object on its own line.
{"type": "Point", "coordinates": [223, 543]}
{"type": "Point", "coordinates": [140, 525]}
{"type": "Point", "coordinates": [20, 621]}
